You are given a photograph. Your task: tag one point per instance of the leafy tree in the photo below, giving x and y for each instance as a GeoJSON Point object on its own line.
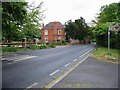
{"type": "Point", "coordinates": [76, 30]}
{"type": "Point", "coordinates": [32, 22]}
{"type": "Point", "coordinates": [109, 13]}
{"type": "Point", "coordinates": [21, 20]}
{"type": "Point", "coordinates": [13, 15]}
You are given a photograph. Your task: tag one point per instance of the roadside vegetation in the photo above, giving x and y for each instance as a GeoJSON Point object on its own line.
{"type": "Point", "coordinates": [30, 47]}
{"type": "Point", "coordinates": [103, 20]}
{"type": "Point", "coordinates": [6, 49]}
{"type": "Point", "coordinates": [102, 54]}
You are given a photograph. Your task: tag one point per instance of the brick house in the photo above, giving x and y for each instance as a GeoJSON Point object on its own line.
{"type": "Point", "coordinates": [53, 32]}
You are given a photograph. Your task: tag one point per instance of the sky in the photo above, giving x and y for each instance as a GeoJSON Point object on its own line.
{"type": "Point", "coordinates": [64, 10]}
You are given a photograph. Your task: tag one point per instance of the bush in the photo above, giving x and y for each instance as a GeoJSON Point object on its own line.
{"type": "Point", "coordinates": [9, 49]}
{"type": "Point", "coordinates": [43, 46]}
{"type": "Point", "coordinates": [33, 47]}
{"type": "Point", "coordinates": [60, 43]}
{"type": "Point", "coordinates": [51, 46]}
{"type": "Point", "coordinates": [63, 42]}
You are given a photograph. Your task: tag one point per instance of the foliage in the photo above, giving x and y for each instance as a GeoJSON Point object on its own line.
{"type": "Point", "coordinates": [32, 22]}
{"type": "Point", "coordinates": [51, 45]}
{"type": "Point", "coordinates": [9, 49]}
{"type": "Point", "coordinates": [21, 20]}
{"type": "Point", "coordinates": [109, 14]}
{"type": "Point", "coordinates": [13, 15]}
{"type": "Point", "coordinates": [77, 29]}
{"type": "Point", "coordinates": [30, 47]}
{"type": "Point", "coordinates": [60, 43]}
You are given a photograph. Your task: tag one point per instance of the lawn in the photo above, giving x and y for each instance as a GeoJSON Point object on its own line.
{"type": "Point", "coordinates": [102, 54]}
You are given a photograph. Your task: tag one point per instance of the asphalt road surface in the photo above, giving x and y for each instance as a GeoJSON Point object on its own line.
{"type": "Point", "coordinates": [35, 69]}
{"type": "Point", "coordinates": [92, 73]}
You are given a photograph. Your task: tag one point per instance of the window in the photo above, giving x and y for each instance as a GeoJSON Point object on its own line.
{"type": "Point", "coordinates": [59, 38]}
{"type": "Point", "coordinates": [46, 39]}
{"type": "Point", "coordinates": [46, 32]}
{"type": "Point", "coordinates": [59, 32]}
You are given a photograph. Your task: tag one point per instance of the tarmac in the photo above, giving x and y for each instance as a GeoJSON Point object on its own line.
{"type": "Point", "coordinates": [92, 73]}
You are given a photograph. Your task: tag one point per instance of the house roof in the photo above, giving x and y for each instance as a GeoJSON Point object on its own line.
{"type": "Point", "coordinates": [53, 25]}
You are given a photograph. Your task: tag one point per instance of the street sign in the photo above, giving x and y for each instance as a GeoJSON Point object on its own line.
{"type": "Point", "coordinates": [114, 28]}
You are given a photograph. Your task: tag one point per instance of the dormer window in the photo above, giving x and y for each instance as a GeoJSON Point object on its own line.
{"type": "Point", "coordinates": [46, 32]}
{"type": "Point", "coordinates": [59, 32]}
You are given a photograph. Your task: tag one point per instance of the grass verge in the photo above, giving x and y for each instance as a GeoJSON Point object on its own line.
{"type": "Point", "coordinates": [102, 54]}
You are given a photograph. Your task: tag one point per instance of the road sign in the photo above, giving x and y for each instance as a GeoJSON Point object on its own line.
{"type": "Point", "coordinates": [114, 28]}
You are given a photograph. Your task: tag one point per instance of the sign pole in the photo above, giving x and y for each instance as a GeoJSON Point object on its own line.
{"type": "Point", "coordinates": [109, 40]}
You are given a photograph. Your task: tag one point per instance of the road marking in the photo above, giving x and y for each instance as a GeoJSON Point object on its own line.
{"type": "Point", "coordinates": [67, 64]}
{"type": "Point", "coordinates": [31, 85]}
{"type": "Point", "coordinates": [50, 85]}
{"type": "Point", "coordinates": [75, 60]}
{"type": "Point", "coordinates": [9, 63]}
{"type": "Point", "coordinates": [54, 72]}
{"type": "Point", "coordinates": [86, 53]}
{"type": "Point", "coordinates": [3, 58]}
{"type": "Point", "coordinates": [24, 58]}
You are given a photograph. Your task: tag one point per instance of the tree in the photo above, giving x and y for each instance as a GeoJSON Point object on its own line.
{"type": "Point", "coordinates": [109, 13]}
{"type": "Point", "coordinates": [13, 15]}
{"type": "Point", "coordinates": [76, 30]}
{"type": "Point", "coordinates": [32, 22]}
{"type": "Point", "coordinates": [21, 20]}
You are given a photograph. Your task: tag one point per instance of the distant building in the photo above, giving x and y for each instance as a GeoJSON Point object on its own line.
{"type": "Point", "coordinates": [53, 32]}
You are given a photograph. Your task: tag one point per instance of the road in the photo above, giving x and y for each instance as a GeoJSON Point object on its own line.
{"type": "Point", "coordinates": [35, 69]}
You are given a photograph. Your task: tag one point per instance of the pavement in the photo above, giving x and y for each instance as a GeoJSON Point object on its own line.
{"type": "Point", "coordinates": [92, 73]}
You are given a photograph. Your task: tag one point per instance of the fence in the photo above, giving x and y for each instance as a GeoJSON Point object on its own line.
{"type": "Point", "coordinates": [20, 44]}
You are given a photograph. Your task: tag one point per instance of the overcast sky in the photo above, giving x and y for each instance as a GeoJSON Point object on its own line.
{"type": "Point", "coordinates": [64, 10]}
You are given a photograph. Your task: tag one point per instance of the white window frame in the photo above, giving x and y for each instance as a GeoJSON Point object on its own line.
{"type": "Point", "coordinates": [59, 32]}
{"type": "Point", "coordinates": [46, 32]}
{"type": "Point", "coordinates": [46, 39]}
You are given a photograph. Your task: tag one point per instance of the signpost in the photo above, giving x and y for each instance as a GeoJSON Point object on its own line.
{"type": "Point", "coordinates": [112, 28]}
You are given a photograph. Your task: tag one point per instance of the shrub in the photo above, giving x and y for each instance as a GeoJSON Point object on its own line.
{"type": "Point", "coordinates": [33, 47]}
{"type": "Point", "coordinates": [9, 49]}
{"type": "Point", "coordinates": [43, 46]}
{"type": "Point", "coordinates": [51, 46]}
{"type": "Point", "coordinates": [63, 42]}
{"type": "Point", "coordinates": [60, 43]}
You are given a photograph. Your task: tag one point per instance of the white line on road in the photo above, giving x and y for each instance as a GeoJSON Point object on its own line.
{"type": "Point", "coordinates": [50, 85]}
{"type": "Point", "coordinates": [75, 60]}
{"type": "Point", "coordinates": [9, 63]}
{"type": "Point", "coordinates": [86, 53]}
{"type": "Point", "coordinates": [23, 58]}
{"type": "Point", "coordinates": [67, 64]}
{"type": "Point", "coordinates": [54, 72]}
{"type": "Point", "coordinates": [32, 85]}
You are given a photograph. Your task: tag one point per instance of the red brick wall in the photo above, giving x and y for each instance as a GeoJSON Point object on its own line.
{"type": "Point", "coordinates": [52, 34]}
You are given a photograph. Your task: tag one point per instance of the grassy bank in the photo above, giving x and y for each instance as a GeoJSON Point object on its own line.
{"type": "Point", "coordinates": [102, 54]}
